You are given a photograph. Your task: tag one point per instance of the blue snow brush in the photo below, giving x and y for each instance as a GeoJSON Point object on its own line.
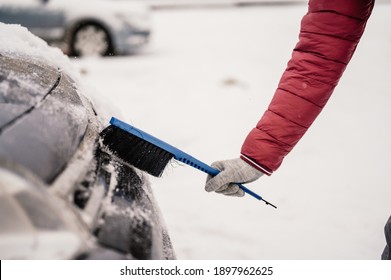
{"type": "Point", "coordinates": [151, 154]}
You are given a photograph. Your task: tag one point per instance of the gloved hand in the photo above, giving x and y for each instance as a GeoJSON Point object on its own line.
{"type": "Point", "coordinates": [232, 171]}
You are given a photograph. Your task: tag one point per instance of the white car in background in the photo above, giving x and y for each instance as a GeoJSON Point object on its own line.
{"type": "Point", "coordinates": [80, 28]}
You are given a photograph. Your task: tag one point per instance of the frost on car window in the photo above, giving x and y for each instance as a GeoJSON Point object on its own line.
{"type": "Point", "coordinates": [22, 86]}
{"type": "Point", "coordinates": [42, 119]}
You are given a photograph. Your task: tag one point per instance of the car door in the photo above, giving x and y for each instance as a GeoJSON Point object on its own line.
{"type": "Point", "coordinates": [38, 16]}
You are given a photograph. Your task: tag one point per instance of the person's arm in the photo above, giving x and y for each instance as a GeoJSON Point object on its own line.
{"type": "Point", "coordinates": [329, 35]}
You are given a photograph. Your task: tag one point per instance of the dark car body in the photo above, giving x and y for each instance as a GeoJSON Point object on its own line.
{"type": "Point", "coordinates": [62, 196]}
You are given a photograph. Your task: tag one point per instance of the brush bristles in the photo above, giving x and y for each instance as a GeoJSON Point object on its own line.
{"type": "Point", "coordinates": [136, 151]}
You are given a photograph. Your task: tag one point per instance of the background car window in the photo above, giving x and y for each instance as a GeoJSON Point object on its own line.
{"type": "Point", "coordinates": [33, 14]}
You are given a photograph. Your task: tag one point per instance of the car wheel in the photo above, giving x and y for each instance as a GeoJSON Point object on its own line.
{"type": "Point", "coordinates": [91, 40]}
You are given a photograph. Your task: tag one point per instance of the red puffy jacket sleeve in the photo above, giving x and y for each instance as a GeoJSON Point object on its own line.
{"type": "Point", "coordinates": [329, 34]}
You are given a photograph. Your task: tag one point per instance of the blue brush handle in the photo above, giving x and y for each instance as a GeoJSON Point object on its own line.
{"type": "Point", "coordinates": [178, 154]}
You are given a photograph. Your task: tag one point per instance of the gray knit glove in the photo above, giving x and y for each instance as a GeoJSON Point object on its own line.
{"type": "Point", "coordinates": [232, 171]}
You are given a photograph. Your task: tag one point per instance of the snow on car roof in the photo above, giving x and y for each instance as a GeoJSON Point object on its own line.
{"type": "Point", "coordinates": [16, 40]}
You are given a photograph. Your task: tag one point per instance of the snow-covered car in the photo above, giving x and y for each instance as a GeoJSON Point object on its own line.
{"type": "Point", "coordinates": [80, 28]}
{"type": "Point", "coordinates": [62, 195]}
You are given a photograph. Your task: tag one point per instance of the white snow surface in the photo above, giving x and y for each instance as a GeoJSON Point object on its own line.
{"type": "Point", "coordinates": [206, 79]}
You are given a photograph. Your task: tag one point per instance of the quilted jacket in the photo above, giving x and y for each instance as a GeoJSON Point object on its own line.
{"type": "Point", "coordinates": [329, 34]}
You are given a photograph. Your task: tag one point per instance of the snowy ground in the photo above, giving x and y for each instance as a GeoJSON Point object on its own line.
{"type": "Point", "coordinates": [203, 84]}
